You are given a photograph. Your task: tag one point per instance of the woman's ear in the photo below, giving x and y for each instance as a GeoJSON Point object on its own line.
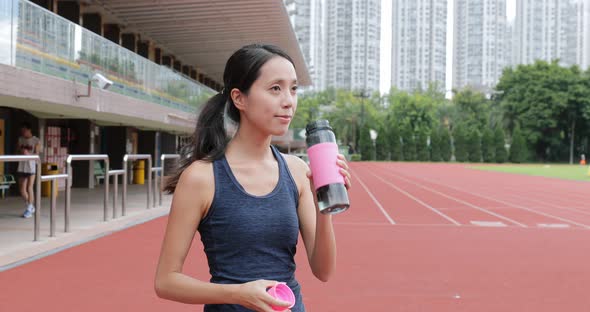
{"type": "Point", "coordinates": [238, 98]}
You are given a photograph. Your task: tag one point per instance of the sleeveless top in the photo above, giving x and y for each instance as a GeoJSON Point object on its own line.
{"type": "Point", "coordinates": [27, 166]}
{"type": "Point", "coordinates": [248, 237]}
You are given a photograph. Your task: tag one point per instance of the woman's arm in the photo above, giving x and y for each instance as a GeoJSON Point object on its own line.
{"type": "Point", "coordinates": [316, 228]}
{"type": "Point", "coordinates": [192, 198]}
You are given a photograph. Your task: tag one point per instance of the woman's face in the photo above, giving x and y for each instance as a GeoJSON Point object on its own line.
{"type": "Point", "coordinates": [272, 100]}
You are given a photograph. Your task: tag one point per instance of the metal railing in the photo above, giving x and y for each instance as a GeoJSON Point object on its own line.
{"type": "Point", "coordinates": [126, 159]}
{"type": "Point", "coordinates": [17, 158]}
{"type": "Point", "coordinates": [162, 173]}
{"type": "Point", "coordinates": [53, 202]}
{"type": "Point", "coordinates": [69, 183]}
{"type": "Point", "coordinates": [115, 174]}
{"type": "Point", "coordinates": [155, 171]}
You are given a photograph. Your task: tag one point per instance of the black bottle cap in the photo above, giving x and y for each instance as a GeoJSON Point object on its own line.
{"type": "Point", "coordinates": [321, 124]}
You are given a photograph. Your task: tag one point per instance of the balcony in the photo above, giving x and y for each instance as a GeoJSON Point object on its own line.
{"type": "Point", "coordinates": [38, 40]}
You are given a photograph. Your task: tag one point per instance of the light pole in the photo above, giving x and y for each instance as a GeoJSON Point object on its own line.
{"type": "Point", "coordinates": [373, 135]}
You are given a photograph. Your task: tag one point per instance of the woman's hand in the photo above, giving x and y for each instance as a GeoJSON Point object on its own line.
{"type": "Point", "coordinates": [253, 296]}
{"type": "Point", "coordinates": [344, 170]}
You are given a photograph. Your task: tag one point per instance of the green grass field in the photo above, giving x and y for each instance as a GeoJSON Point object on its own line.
{"type": "Point", "coordinates": [570, 172]}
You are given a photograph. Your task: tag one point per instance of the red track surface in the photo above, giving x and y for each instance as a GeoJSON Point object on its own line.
{"type": "Point", "coordinates": [526, 251]}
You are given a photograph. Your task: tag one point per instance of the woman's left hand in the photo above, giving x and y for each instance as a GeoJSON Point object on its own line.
{"type": "Point", "coordinates": [344, 170]}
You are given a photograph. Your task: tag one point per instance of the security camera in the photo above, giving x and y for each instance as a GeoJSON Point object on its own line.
{"type": "Point", "coordinates": [102, 81]}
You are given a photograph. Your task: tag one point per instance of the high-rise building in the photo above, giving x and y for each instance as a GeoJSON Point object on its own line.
{"type": "Point", "coordinates": [418, 43]}
{"type": "Point", "coordinates": [340, 40]}
{"type": "Point", "coordinates": [546, 30]}
{"type": "Point", "coordinates": [352, 44]}
{"type": "Point", "coordinates": [307, 18]}
{"type": "Point", "coordinates": [480, 43]}
{"type": "Point", "coordinates": [583, 33]}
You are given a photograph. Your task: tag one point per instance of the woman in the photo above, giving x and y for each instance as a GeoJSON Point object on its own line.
{"type": "Point", "coordinates": [27, 144]}
{"type": "Point", "coordinates": [248, 201]}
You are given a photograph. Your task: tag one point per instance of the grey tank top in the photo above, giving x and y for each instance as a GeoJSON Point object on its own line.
{"type": "Point", "coordinates": [248, 237]}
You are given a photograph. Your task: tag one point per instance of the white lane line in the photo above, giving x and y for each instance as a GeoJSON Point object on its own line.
{"type": "Point", "coordinates": [418, 201]}
{"type": "Point", "coordinates": [518, 197]}
{"type": "Point", "coordinates": [513, 205]}
{"type": "Point", "coordinates": [553, 225]}
{"type": "Point", "coordinates": [373, 198]}
{"type": "Point", "coordinates": [461, 201]}
{"type": "Point", "coordinates": [489, 223]}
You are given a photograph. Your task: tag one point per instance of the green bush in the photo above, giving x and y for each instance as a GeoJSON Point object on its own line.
{"type": "Point", "coordinates": [355, 157]}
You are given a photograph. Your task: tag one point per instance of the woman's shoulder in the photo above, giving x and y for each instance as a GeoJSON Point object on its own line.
{"type": "Point", "coordinates": [297, 167]}
{"type": "Point", "coordinates": [198, 174]}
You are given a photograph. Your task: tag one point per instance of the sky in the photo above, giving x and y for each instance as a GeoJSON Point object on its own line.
{"type": "Point", "coordinates": [385, 75]}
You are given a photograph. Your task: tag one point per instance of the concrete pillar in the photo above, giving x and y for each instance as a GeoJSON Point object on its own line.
{"type": "Point", "coordinates": [113, 143]}
{"type": "Point", "coordinates": [143, 48]}
{"type": "Point", "coordinates": [69, 10]}
{"type": "Point", "coordinates": [129, 41]}
{"type": "Point", "coordinates": [92, 22]}
{"type": "Point", "coordinates": [81, 145]}
{"type": "Point", "coordinates": [47, 4]}
{"type": "Point", "coordinates": [167, 60]}
{"type": "Point", "coordinates": [186, 70]}
{"type": "Point", "coordinates": [112, 32]}
{"type": "Point", "coordinates": [158, 56]}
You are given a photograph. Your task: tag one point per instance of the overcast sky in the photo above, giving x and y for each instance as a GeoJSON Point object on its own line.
{"type": "Point", "coordinates": [386, 40]}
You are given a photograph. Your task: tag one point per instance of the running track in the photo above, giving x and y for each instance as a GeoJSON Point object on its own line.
{"type": "Point", "coordinates": [419, 237]}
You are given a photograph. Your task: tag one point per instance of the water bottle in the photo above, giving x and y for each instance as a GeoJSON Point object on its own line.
{"type": "Point", "coordinates": [322, 150]}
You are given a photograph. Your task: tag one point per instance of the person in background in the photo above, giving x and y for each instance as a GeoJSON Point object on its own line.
{"type": "Point", "coordinates": [28, 144]}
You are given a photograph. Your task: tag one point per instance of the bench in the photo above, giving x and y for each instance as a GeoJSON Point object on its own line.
{"type": "Point", "coordinates": [6, 180]}
{"type": "Point", "coordinates": [98, 171]}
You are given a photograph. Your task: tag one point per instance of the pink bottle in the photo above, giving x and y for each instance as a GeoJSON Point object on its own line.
{"type": "Point", "coordinates": [322, 151]}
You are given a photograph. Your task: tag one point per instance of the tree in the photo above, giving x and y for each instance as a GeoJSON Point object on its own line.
{"type": "Point", "coordinates": [446, 150]}
{"type": "Point", "coordinates": [460, 140]}
{"type": "Point", "coordinates": [409, 144]}
{"type": "Point", "coordinates": [518, 147]}
{"type": "Point", "coordinates": [383, 150]}
{"type": "Point", "coordinates": [547, 102]}
{"type": "Point", "coordinates": [435, 145]}
{"type": "Point", "coordinates": [474, 146]}
{"type": "Point", "coordinates": [472, 108]}
{"type": "Point", "coordinates": [422, 152]}
{"type": "Point", "coordinates": [499, 145]}
{"type": "Point", "coordinates": [366, 144]}
{"type": "Point", "coordinates": [488, 150]}
{"type": "Point", "coordinates": [395, 146]}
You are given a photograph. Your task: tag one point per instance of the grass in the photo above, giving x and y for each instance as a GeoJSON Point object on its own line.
{"type": "Point", "coordinates": [569, 172]}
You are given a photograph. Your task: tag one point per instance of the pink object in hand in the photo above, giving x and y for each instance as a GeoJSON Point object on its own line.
{"type": "Point", "coordinates": [282, 292]}
{"type": "Point", "coordinates": [323, 159]}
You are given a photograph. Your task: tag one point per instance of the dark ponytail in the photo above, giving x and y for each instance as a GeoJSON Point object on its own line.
{"type": "Point", "coordinates": [210, 138]}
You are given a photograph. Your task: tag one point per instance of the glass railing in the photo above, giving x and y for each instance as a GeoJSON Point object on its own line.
{"type": "Point", "coordinates": [39, 40]}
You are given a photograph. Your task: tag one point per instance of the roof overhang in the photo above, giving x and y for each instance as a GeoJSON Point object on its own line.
{"type": "Point", "coordinates": [204, 33]}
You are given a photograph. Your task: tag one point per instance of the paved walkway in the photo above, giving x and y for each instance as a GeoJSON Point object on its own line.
{"type": "Point", "coordinates": [86, 222]}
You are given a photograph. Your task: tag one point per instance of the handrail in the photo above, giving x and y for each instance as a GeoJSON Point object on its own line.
{"type": "Point", "coordinates": [115, 174]}
{"type": "Point", "coordinates": [17, 158]}
{"type": "Point", "coordinates": [155, 171]}
{"type": "Point", "coordinates": [126, 159]}
{"type": "Point", "coordinates": [52, 208]}
{"type": "Point", "coordinates": [69, 160]}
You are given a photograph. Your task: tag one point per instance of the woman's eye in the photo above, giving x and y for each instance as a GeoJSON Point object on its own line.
{"type": "Point", "coordinates": [276, 88]}
{"type": "Point", "coordinates": [295, 88]}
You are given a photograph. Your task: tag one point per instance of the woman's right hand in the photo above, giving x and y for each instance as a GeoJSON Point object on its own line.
{"type": "Point", "coordinates": [253, 296]}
